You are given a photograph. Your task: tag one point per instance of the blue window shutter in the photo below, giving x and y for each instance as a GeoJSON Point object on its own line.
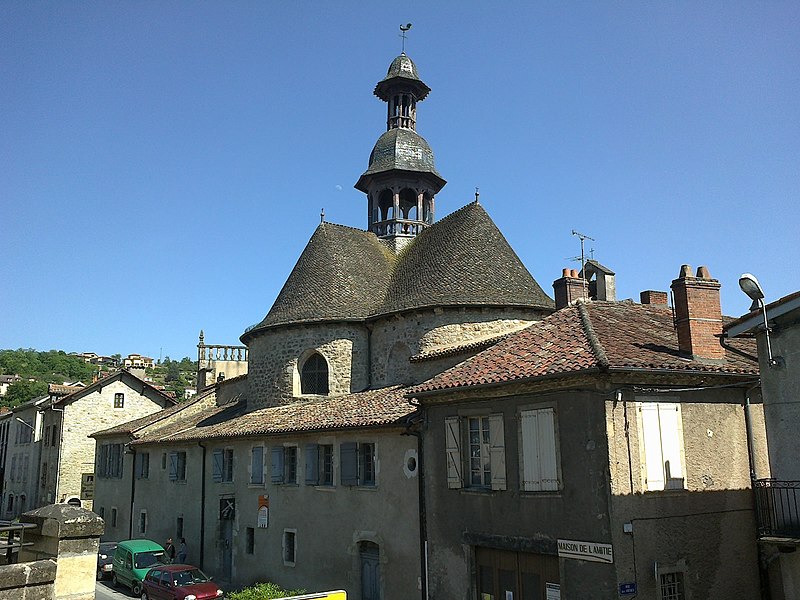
{"type": "Point", "coordinates": [277, 464]}
{"type": "Point", "coordinates": [173, 466]}
{"type": "Point", "coordinates": [349, 463]}
{"type": "Point", "coordinates": [312, 464]}
{"type": "Point", "coordinates": [218, 465]}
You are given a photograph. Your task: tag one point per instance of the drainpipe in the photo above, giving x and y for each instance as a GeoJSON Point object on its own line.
{"type": "Point", "coordinates": [763, 562]}
{"type": "Point", "coordinates": [133, 490]}
{"type": "Point", "coordinates": [423, 523]}
{"type": "Point", "coordinates": [202, 506]}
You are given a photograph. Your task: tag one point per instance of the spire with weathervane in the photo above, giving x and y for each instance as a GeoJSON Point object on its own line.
{"type": "Point", "coordinates": [401, 180]}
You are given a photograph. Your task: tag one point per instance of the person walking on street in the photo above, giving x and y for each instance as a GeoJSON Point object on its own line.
{"type": "Point", "coordinates": [169, 551]}
{"type": "Point", "coordinates": [182, 552]}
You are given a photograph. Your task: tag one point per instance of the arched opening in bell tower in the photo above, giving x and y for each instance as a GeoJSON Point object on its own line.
{"type": "Point", "coordinates": [386, 205]}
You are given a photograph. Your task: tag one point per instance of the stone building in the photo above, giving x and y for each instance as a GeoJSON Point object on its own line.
{"type": "Point", "coordinates": [49, 452]}
{"type": "Point", "coordinates": [602, 452]}
{"type": "Point", "coordinates": [305, 471]}
{"type": "Point", "coordinates": [778, 497]}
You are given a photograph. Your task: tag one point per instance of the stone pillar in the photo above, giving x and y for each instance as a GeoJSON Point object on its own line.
{"type": "Point", "coordinates": [71, 535]}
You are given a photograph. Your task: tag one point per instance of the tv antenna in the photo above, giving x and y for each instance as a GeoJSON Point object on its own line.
{"type": "Point", "coordinates": [403, 29]}
{"type": "Point", "coordinates": [583, 237]}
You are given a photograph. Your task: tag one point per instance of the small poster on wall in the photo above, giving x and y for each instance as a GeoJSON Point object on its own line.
{"type": "Point", "coordinates": [553, 591]}
{"type": "Point", "coordinates": [263, 511]}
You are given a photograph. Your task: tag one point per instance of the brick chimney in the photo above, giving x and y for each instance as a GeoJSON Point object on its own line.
{"type": "Point", "coordinates": [698, 315]}
{"type": "Point", "coordinates": [569, 288]}
{"type": "Point", "coordinates": [653, 297]}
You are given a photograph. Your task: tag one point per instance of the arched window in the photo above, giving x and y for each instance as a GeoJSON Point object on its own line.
{"type": "Point", "coordinates": [386, 205]}
{"type": "Point", "coordinates": [314, 375]}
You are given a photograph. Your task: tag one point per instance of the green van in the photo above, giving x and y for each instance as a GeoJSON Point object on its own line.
{"type": "Point", "coordinates": [132, 561]}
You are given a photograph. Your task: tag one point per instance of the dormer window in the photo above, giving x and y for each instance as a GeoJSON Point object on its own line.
{"type": "Point", "coordinates": [314, 376]}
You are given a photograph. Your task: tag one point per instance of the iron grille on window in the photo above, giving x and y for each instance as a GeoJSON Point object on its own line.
{"type": "Point", "coordinates": [314, 378]}
{"type": "Point", "coordinates": [672, 586]}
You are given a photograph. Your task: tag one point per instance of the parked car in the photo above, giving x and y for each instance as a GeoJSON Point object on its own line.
{"type": "Point", "coordinates": [178, 582]}
{"type": "Point", "coordinates": [132, 560]}
{"type": "Point", "coordinates": [105, 557]}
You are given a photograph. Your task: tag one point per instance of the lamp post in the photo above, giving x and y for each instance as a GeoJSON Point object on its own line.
{"type": "Point", "coordinates": [752, 288]}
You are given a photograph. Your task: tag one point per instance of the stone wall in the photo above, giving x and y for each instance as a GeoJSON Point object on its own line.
{"type": "Point", "coordinates": [438, 328]}
{"type": "Point", "coordinates": [274, 357]}
{"type": "Point", "coordinates": [61, 562]}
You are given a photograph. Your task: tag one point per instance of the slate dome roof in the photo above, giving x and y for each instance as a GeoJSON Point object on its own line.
{"type": "Point", "coordinates": [402, 69]}
{"type": "Point", "coordinates": [402, 149]}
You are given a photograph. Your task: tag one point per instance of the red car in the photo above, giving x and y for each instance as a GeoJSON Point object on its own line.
{"type": "Point", "coordinates": [178, 582]}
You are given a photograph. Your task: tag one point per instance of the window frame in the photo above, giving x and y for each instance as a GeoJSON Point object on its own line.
{"type": "Point", "coordinates": [257, 466]}
{"type": "Point", "coordinates": [543, 449]}
{"type": "Point", "coordinates": [355, 470]}
{"type": "Point", "coordinates": [177, 466]}
{"type": "Point", "coordinates": [289, 547]}
{"type": "Point", "coordinates": [119, 400]}
{"type": "Point", "coordinates": [670, 448]}
{"type": "Point", "coordinates": [457, 446]}
{"type": "Point", "coordinates": [315, 377]}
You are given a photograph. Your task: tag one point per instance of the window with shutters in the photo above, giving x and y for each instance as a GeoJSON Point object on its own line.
{"type": "Point", "coordinates": [284, 464]}
{"type": "Point", "coordinates": [314, 375]}
{"type": "Point", "coordinates": [475, 452]}
{"type": "Point", "coordinates": [319, 464]}
{"type": "Point", "coordinates": [142, 465]}
{"type": "Point", "coordinates": [222, 465]}
{"type": "Point", "coordinates": [109, 461]}
{"type": "Point", "coordinates": [257, 465]}
{"type": "Point", "coordinates": [143, 522]}
{"type": "Point", "coordinates": [539, 450]}
{"type": "Point", "coordinates": [661, 449]}
{"type": "Point", "coordinates": [358, 464]}
{"type": "Point", "coordinates": [177, 466]}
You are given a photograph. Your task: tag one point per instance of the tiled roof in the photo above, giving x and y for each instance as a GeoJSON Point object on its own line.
{"type": "Point", "coordinates": [341, 275]}
{"type": "Point", "coordinates": [456, 349]}
{"type": "Point", "coordinates": [347, 274]}
{"type": "Point", "coordinates": [589, 337]}
{"type": "Point", "coordinates": [462, 260]}
{"type": "Point", "coordinates": [386, 406]}
{"type": "Point", "coordinates": [207, 398]}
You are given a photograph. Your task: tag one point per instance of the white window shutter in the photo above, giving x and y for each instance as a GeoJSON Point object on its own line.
{"type": "Point", "coordinates": [531, 479]}
{"type": "Point", "coordinates": [653, 458]}
{"type": "Point", "coordinates": [497, 452]}
{"type": "Point", "coordinates": [548, 465]}
{"type": "Point", "coordinates": [453, 448]}
{"type": "Point", "coordinates": [669, 416]}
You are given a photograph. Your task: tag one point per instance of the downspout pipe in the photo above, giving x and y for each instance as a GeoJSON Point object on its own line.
{"type": "Point", "coordinates": [133, 490]}
{"type": "Point", "coordinates": [423, 522]}
{"type": "Point", "coordinates": [763, 564]}
{"type": "Point", "coordinates": [202, 506]}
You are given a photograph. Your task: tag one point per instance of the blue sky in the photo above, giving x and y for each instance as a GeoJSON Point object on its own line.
{"type": "Point", "coordinates": [163, 164]}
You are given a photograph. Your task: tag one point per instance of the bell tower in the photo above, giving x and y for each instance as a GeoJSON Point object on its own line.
{"type": "Point", "coordinates": [401, 180]}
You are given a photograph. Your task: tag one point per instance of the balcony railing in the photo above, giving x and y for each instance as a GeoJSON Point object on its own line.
{"type": "Point", "coordinates": [778, 508]}
{"type": "Point", "coordinates": [11, 540]}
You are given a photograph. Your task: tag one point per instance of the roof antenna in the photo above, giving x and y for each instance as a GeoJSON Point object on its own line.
{"type": "Point", "coordinates": [477, 195]}
{"type": "Point", "coordinates": [403, 29]}
{"type": "Point", "coordinates": [322, 216]}
{"type": "Point", "coordinates": [583, 237]}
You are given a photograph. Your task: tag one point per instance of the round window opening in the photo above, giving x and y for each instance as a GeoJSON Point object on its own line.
{"type": "Point", "coordinates": [412, 463]}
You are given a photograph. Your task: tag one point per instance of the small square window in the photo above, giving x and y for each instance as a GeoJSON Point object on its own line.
{"type": "Point", "coordinates": [119, 400]}
{"type": "Point", "coordinates": [671, 586]}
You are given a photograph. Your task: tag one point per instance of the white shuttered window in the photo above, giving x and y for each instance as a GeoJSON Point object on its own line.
{"type": "Point", "coordinates": [482, 463]}
{"type": "Point", "coordinates": [662, 438]}
{"type": "Point", "coordinates": [539, 452]}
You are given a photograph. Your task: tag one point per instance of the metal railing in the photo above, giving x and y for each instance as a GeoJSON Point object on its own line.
{"type": "Point", "coordinates": [778, 508]}
{"type": "Point", "coordinates": [12, 539]}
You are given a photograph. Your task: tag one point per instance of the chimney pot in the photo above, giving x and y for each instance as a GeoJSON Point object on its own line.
{"type": "Point", "coordinates": [574, 274]}
{"type": "Point", "coordinates": [703, 273]}
{"type": "Point", "coordinates": [686, 271]}
{"type": "Point", "coordinates": [565, 272]}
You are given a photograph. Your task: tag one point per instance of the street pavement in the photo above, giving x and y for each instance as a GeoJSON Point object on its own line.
{"type": "Point", "coordinates": [105, 591]}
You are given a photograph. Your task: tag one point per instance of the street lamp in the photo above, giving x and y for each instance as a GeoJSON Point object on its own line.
{"type": "Point", "coordinates": [28, 425]}
{"type": "Point", "coordinates": [751, 287]}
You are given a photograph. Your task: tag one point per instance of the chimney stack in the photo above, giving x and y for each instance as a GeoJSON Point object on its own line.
{"type": "Point", "coordinates": [653, 297]}
{"type": "Point", "coordinates": [698, 315]}
{"type": "Point", "coordinates": [569, 288]}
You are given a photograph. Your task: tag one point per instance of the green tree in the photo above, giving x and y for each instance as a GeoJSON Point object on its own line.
{"type": "Point", "coordinates": [22, 391]}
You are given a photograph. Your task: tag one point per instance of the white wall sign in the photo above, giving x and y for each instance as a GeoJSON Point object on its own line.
{"type": "Point", "coordinates": [553, 591]}
{"type": "Point", "coordinates": [585, 551]}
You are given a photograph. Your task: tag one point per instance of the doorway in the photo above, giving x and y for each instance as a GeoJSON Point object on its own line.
{"type": "Point", "coordinates": [370, 571]}
{"type": "Point", "coordinates": [509, 575]}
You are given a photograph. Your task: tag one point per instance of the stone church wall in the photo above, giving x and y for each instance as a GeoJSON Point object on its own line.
{"type": "Point", "coordinates": [274, 358]}
{"type": "Point", "coordinates": [397, 338]}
